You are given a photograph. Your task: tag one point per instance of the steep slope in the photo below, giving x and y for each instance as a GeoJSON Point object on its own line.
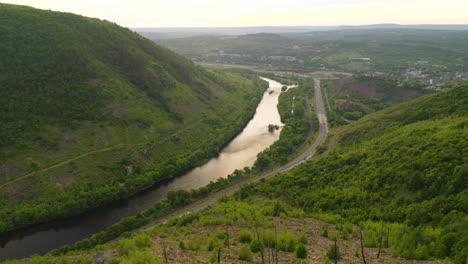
{"type": "Point", "coordinates": [406, 164]}
{"type": "Point", "coordinates": [91, 111]}
{"type": "Point", "coordinates": [399, 175]}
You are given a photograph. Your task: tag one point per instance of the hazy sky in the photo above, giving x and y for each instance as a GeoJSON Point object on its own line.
{"type": "Point", "coordinates": [220, 13]}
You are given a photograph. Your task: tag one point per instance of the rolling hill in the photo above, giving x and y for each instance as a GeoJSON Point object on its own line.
{"type": "Point", "coordinates": [91, 112]}
{"type": "Point", "coordinates": [164, 33]}
{"type": "Point", "coordinates": [414, 53]}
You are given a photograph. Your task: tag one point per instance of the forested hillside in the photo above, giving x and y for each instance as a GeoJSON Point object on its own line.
{"type": "Point", "coordinates": [398, 176]}
{"type": "Point", "coordinates": [406, 165]}
{"type": "Point", "coordinates": [91, 112]}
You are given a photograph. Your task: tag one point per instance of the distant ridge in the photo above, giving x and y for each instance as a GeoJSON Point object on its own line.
{"type": "Point", "coordinates": [182, 32]}
{"type": "Point", "coordinates": [420, 26]}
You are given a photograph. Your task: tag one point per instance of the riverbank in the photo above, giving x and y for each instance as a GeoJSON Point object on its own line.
{"type": "Point", "coordinates": [235, 181]}
{"type": "Point", "coordinates": [69, 230]}
{"type": "Point", "coordinates": [224, 188]}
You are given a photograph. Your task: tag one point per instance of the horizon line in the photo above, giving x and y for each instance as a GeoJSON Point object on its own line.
{"type": "Point", "coordinates": [339, 25]}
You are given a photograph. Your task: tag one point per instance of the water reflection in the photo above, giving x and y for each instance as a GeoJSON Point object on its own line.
{"type": "Point", "coordinates": [239, 153]}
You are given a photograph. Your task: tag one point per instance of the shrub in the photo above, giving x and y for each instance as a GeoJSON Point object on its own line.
{"type": "Point", "coordinates": [303, 239]}
{"type": "Point", "coordinates": [345, 234]}
{"type": "Point", "coordinates": [301, 251]}
{"type": "Point", "coordinates": [182, 245]}
{"type": "Point", "coordinates": [214, 257]}
{"type": "Point", "coordinates": [287, 242]}
{"type": "Point", "coordinates": [277, 209]}
{"type": "Point", "coordinates": [245, 254]}
{"type": "Point", "coordinates": [220, 234]}
{"type": "Point", "coordinates": [212, 245]}
{"type": "Point", "coordinates": [334, 252]}
{"type": "Point", "coordinates": [125, 246]}
{"type": "Point", "coordinates": [244, 236]}
{"type": "Point", "coordinates": [255, 246]}
{"type": "Point", "coordinates": [187, 219]}
{"type": "Point", "coordinates": [194, 244]}
{"type": "Point", "coordinates": [143, 241]}
{"type": "Point", "coordinates": [269, 239]}
{"type": "Point", "coordinates": [422, 252]}
{"type": "Point", "coordinates": [324, 230]}
{"type": "Point", "coordinates": [226, 240]}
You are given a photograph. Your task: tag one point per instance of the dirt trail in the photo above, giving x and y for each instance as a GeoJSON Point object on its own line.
{"type": "Point", "coordinates": [93, 152]}
{"type": "Point", "coordinates": [65, 162]}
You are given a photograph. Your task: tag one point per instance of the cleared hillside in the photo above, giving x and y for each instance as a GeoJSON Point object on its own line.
{"type": "Point", "coordinates": [352, 97]}
{"type": "Point", "coordinates": [91, 112]}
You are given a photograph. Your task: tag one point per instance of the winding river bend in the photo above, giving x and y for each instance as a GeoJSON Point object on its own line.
{"type": "Point", "coordinates": [239, 153]}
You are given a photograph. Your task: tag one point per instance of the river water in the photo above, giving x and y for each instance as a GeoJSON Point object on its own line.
{"type": "Point", "coordinates": [239, 153]}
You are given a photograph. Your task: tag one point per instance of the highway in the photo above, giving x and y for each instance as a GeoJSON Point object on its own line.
{"type": "Point", "coordinates": [323, 131]}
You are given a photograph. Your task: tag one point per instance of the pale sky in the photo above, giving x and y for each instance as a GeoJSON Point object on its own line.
{"type": "Point", "coordinates": [224, 13]}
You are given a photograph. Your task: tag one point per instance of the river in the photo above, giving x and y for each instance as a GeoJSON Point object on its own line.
{"type": "Point", "coordinates": [239, 153]}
